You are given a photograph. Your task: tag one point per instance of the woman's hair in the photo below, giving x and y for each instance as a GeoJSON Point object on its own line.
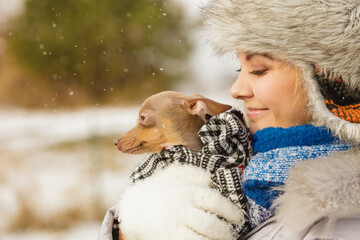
{"type": "Point", "coordinates": [299, 92]}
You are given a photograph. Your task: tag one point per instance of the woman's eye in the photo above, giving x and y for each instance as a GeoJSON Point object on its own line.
{"type": "Point", "coordinates": [258, 72]}
{"type": "Point", "coordinates": [239, 70]}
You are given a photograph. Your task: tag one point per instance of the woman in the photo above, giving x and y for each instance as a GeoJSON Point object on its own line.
{"type": "Point", "coordinates": [300, 81]}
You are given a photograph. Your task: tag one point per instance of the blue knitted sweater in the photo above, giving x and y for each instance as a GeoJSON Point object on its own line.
{"type": "Point", "coordinates": [276, 151]}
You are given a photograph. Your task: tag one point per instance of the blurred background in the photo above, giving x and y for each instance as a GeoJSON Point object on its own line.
{"type": "Point", "coordinates": [73, 74]}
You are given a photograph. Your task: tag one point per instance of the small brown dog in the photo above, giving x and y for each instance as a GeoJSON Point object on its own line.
{"type": "Point", "coordinates": [167, 119]}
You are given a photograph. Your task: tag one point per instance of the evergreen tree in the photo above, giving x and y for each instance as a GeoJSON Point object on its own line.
{"type": "Point", "coordinates": [103, 48]}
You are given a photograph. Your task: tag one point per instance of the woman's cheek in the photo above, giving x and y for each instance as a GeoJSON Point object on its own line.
{"type": "Point", "coordinates": [266, 93]}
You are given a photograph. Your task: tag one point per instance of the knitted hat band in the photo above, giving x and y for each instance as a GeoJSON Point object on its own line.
{"type": "Point", "coordinates": [340, 99]}
{"type": "Point", "coordinates": [350, 113]}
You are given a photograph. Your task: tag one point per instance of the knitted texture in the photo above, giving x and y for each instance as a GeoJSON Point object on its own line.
{"type": "Point", "coordinates": [340, 99]}
{"type": "Point", "coordinates": [276, 152]}
{"type": "Point", "coordinates": [226, 152]}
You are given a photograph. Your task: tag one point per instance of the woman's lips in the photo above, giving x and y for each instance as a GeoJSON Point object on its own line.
{"type": "Point", "coordinates": [254, 112]}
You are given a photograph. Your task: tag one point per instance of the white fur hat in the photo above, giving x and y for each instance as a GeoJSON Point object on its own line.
{"type": "Point", "coordinates": [306, 33]}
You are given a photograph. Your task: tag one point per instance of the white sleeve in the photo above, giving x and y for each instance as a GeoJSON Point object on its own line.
{"type": "Point", "coordinates": [177, 203]}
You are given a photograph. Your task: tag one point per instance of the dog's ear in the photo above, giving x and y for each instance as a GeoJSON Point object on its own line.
{"type": "Point", "coordinates": [204, 107]}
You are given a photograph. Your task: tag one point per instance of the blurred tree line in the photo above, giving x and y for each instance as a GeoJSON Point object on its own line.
{"type": "Point", "coordinates": [101, 50]}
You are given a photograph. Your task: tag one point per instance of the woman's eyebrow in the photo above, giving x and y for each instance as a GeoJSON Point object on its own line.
{"type": "Point", "coordinates": [251, 55]}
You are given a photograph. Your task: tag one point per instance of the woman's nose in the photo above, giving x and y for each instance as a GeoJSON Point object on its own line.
{"type": "Point", "coordinates": [241, 88]}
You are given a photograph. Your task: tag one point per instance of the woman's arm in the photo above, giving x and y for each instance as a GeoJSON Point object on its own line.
{"type": "Point", "coordinates": [178, 202]}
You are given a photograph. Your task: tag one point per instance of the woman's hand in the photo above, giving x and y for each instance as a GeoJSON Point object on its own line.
{"type": "Point", "coordinates": [177, 203]}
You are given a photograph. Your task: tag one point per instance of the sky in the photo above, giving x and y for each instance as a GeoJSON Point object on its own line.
{"type": "Point", "coordinates": [9, 8]}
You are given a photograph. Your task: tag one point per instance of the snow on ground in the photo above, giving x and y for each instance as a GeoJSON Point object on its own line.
{"type": "Point", "coordinates": [87, 230]}
{"type": "Point", "coordinates": [23, 130]}
{"type": "Point", "coordinates": [56, 181]}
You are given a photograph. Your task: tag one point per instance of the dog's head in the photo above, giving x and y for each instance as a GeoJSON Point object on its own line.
{"type": "Point", "coordinates": [167, 119]}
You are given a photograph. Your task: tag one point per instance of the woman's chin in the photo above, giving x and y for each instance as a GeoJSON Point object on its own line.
{"type": "Point", "coordinates": [259, 125]}
{"type": "Point", "coordinates": [254, 128]}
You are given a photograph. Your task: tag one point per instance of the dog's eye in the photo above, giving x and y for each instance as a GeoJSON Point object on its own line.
{"type": "Point", "coordinates": [142, 117]}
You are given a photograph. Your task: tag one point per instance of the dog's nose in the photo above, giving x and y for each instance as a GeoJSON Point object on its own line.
{"type": "Point", "coordinates": [116, 142]}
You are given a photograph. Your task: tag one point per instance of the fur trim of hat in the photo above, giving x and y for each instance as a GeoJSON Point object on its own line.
{"type": "Point", "coordinates": [306, 33]}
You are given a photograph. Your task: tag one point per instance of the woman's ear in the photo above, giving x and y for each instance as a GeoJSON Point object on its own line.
{"type": "Point", "coordinates": [204, 107]}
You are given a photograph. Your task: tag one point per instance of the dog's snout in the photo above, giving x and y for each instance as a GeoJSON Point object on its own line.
{"type": "Point", "coordinates": [127, 144]}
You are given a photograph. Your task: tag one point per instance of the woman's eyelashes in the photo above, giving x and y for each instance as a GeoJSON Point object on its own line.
{"type": "Point", "coordinates": [255, 72]}
{"type": "Point", "coordinates": [258, 72]}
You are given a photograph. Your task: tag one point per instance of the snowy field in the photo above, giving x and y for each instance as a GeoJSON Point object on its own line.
{"type": "Point", "coordinates": [60, 171]}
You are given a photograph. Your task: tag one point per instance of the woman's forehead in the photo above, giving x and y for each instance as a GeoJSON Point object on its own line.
{"type": "Point", "coordinates": [250, 55]}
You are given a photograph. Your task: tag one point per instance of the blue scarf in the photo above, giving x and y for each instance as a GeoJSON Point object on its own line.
{"type": "Point", "coordinates": [276, 152]}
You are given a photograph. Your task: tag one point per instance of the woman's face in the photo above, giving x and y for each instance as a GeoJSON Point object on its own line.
{"type": "Point", "coordinates": [268, 87]}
